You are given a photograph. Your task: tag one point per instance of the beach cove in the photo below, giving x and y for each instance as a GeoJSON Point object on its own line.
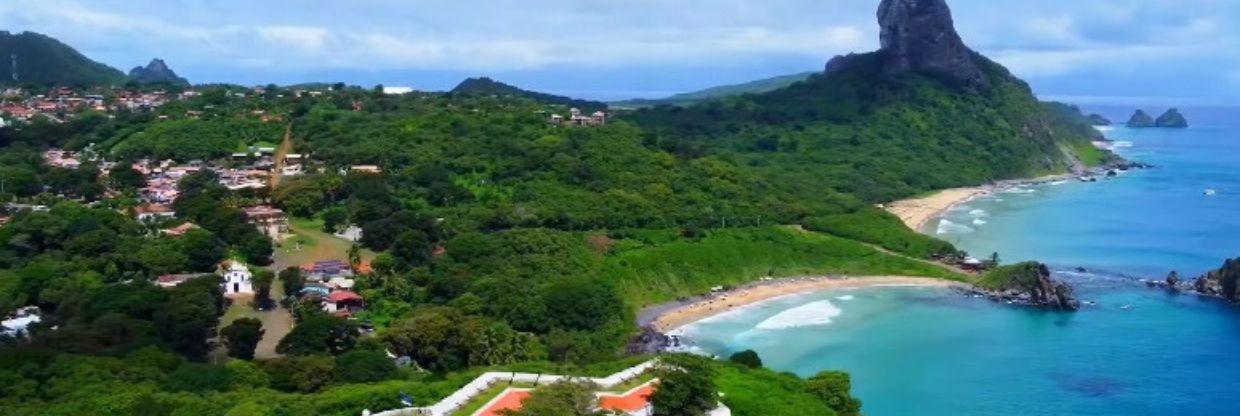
{"type": "Point", "coordinates": [1135, 351]}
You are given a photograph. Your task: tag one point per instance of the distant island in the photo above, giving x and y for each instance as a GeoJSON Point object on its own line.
{"type": "Point", "coordinates": [1170, 119]}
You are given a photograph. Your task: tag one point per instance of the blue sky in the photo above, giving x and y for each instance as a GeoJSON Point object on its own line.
{"type": "Point", "coordinates": [1147, 50]}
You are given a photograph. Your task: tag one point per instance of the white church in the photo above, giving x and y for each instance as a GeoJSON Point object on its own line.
{"type": "Point", "coordinates": [237, 278]}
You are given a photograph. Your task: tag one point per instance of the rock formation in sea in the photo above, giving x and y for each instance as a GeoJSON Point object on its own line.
{"type": "Point", "coordinates": [920, 36]}
{"type": "Point", "coordinates": [1171, 119]}
{"type": "Point", "coordinates": [1099, 120]}
{"type": "Point", "coordinates": [1029, 284]}
{"type": "Point", "coordinates": [1140, 119]}
{"type": "Point", "coordinates": [1222, 282]}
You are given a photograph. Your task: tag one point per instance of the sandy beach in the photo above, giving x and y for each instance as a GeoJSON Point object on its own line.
{"type": "Point", "coordinates": [666, 317]}
{"type": "Point", "coordinates": [917, 212]}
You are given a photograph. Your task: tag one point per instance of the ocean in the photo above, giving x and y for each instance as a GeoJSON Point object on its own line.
{"type": "Point", "coordinates": [1136, 351]}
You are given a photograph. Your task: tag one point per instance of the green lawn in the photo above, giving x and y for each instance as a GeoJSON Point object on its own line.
{"type": "Point", "coordinates": [315, 245]}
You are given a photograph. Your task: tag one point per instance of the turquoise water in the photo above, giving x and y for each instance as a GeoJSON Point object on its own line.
{"type": "Point", "coordinates": [1138, 351]}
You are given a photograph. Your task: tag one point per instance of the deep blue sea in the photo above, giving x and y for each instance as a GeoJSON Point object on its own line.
{"type": "Point", "coordinates": [1138, 351]}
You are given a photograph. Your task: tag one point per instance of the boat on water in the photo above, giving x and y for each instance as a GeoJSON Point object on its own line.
{"type": "Point", "coordinates": [1209, 192]}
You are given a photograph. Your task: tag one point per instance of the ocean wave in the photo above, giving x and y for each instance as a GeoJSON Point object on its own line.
{"type": "Point", "coordinates": [1019, 190]}
{"type": "Point", "coordinates": [810, 314]}
{"type": "Point", "coordinates": [1105, 128]}
{"type": "Point", "coordinates": [979, 221]}
{"type": "Point", "coordinates": [1057, 183]}
{"type": "Point", "coordinates": [979, 213]}
{"type": "Point", "coordinates": [948, 227]}
{"type": "Point", "coordinates": [1118, 144]}
{"type": "Point", "coordinates": [846, 297]}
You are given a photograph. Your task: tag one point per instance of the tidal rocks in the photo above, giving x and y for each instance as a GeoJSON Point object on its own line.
{"type": "Point", "coordinates": [1171, 119]}
{"type": "Point", "coordinates": [1223, 282]}
{"type": "Point", "coordinates": [1028, 284]}
{"type": "Point", "coordinates": [1140, 119]}
{"type": "Point", "coordinates": [650, 341]}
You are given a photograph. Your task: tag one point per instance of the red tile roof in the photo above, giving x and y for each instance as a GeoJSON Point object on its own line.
{"type": "Point", "coordinates": [344, 296]}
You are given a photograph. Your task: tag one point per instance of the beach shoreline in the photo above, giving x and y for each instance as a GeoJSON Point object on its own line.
{"type": "Point", "coordinates": [669, 316]}
{"type": "Point", "coordinates": [917, 212]}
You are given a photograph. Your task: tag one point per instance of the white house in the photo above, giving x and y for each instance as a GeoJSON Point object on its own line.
{"type": "Point", "coordinates": [237, 278]}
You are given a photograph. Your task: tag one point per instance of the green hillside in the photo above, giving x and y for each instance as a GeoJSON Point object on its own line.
{"type": "Point", "coordinates": [879, 137]}
{"type": "Point", "coordinates": [488, 87]}
{"type": "Point", "coordinates": [44, 60]}
{"type": "Point", "coordinates": [689, 98]}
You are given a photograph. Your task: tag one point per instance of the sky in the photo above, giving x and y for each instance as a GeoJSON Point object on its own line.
{"type": "Point", "coordinates": [1171, 51]}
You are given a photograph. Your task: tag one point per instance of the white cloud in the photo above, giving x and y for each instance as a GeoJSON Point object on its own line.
{"type": "Point", "coordinates": [303, 38]}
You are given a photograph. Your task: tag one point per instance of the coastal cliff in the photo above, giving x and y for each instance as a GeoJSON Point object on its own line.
{"type": "Point", "coordinates": [1223, 283]}
{"type": "Point", "coordinates": [1027, 284]}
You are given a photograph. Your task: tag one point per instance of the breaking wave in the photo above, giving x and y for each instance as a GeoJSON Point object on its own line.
{"type": "Point", "coordinates": [846, 297]}
{"type": "Point", "coordinates": [979, 221]}
{"type": "Point", "coordinates": [948, 227]}
{"type": "Point", "coordinates": [810, 314]}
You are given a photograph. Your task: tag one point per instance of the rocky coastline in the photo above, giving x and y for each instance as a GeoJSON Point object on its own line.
{"type": "Point", "coordinates": [1222, 283]}
{"type": "Point", "coordinates": [1026, 284]}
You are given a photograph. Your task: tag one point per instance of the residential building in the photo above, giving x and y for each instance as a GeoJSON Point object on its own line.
{"type": "Point", "coordinates": [151, 213]}
{"type": "Point", "coordinates": [271, 221]}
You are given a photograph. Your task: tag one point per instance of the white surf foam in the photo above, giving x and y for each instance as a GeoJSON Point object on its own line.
{"type": "Point", "coordinates": [1121, 143]}
{"type": "Point", "coordinates": [846, 297]}
{"type": "Point", "coordinates": [979, 213]}
{"type": "Point", "coordinates": [979, 221]}
{"type": "Point", "coordinates": [948, 227]}
{"type": "Point", "coordinates": [810, 314]}
{"type": "Point", "coordinates": [1104, 128]}
{"type": "Point", "coordinates": [1019, 190]}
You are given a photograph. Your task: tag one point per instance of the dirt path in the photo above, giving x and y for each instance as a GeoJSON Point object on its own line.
{"type": "Point", "coordinates": [286, 147]}
{"type": "Point", "coordinates": [276, 324]}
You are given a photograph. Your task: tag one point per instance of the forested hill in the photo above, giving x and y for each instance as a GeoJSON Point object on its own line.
{"type": "Point", "coordinates": [486, 86]}
{"type": "Point", "coordinates": [722, 91]}
{"type": "Point", "coordinates": [44, 60]}
{"type": "Point", "coordinates": [905, 119]}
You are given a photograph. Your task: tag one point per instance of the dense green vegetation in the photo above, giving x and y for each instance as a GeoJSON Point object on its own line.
{"type": "Point", "coordinates": [45, 61]}
{"type": "Point", "coordinates": [1020, 276]}
{"type": "Point", "coordinates": [190, 139]}
{"type": "Point", "coordinates": [723, 91]}
{"type": "Point", "coordinates": [488, 87]}
{"type": "Point", "coordinates": [652, 271]}
{"type": "Point", "coordinates": [877, 137]}
{"type": "Point", "coordinates": [504, 240]}
{"type": "Point", "coordinates": [875, 226]}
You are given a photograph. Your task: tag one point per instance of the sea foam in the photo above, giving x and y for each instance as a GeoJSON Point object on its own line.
{"type": "Point", "coordinates": [979, 221]}
{"type": "Point", "coordinates": [846, 297]}
{"type": "Point", "coordinates": [810, 314]}
{"type": "Point", "coordinates": [948, 227]}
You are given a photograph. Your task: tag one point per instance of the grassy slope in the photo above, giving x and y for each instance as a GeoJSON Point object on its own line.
{"type": "Point", "coordinates": [663, 272]}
